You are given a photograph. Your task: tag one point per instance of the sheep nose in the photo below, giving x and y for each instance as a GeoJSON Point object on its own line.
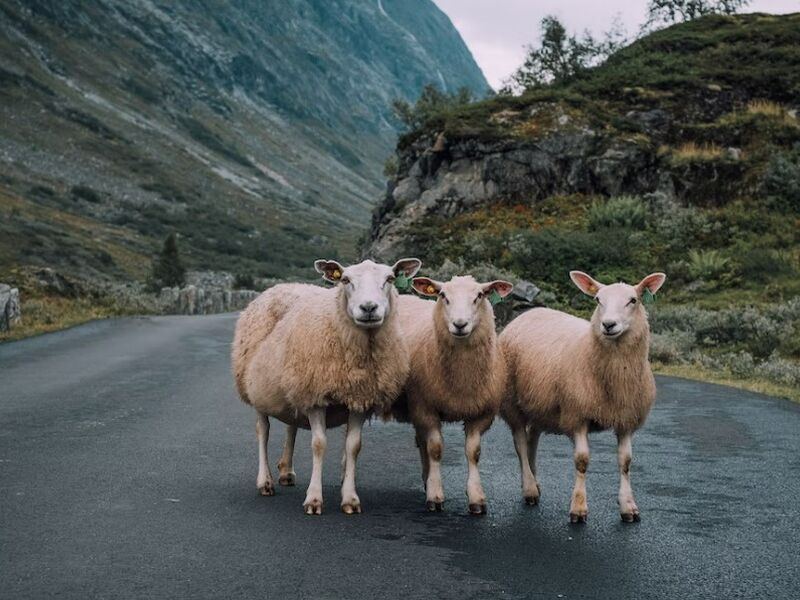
{"type": "Point", "coordinates": [609, 325]}
{"type": "Point", "coordinates": [460, 324]}
{"type": "Point", "coordinates": [368, 307]}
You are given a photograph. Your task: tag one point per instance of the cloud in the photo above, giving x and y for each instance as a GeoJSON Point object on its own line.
{"type": "Point", "coordinates": [498, 31]}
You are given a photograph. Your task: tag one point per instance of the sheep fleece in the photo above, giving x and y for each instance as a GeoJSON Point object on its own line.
{"type": "Point", "coordinates": [295, 345]}
{"type": "Point", "coordinates": [563, 376]}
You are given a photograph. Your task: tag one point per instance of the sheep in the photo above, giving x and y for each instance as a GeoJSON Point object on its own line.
{"type": "Point", "coordinates": [457, 374]}
{"type": "Point", "coordinates": [572, 376]}
{"type": "Point", "coordinates": [315, 358]}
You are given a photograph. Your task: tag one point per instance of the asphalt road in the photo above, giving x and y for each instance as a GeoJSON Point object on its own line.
{"type": "Point", "coordinates": [127, 470]}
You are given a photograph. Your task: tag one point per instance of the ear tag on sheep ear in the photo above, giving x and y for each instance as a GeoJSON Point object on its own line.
{"type": "Point", "coordinates": [495, 298]}
{"type": "Point", "coordinates": [648, 297]}
{"type": "Point", "coordinates": [401, 282]}
{"type": "Point", "coordinates": [336, 275]}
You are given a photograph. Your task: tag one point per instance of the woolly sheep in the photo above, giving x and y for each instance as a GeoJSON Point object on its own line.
{"type": "Point", "coordinates": [457, 374]}
{"type": "Point", "coordinates": [314, 358]}
{"type": "Point", "coordinates": [572, 376]}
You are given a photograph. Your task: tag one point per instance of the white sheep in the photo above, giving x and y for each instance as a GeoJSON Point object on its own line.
{"type": "Point", "coordinates": [572, 376]}
{"type": "Point", "coordinates": [457, 374]}
{"type": "Point", "coordinates": [314, 358]}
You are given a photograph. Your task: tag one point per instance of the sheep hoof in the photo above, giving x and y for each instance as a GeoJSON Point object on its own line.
{"type": "Point", "coordinates": [267, 489]}
{"type": "Point", "coordinates": [286, 479]}
{"type": "Point", "coordinates": [630, 517]}
{"type": "Point", "coordinates": [477, 508]}
{"type": "Point", "coordinates": [532, 500]}
{"type": "Point", "coordinates": [350, 508]}
{"type": "Point", "coordinates": [313, 507]}
{"type": "Point", "coordinates": [434, 506]}
{"type": "Point", "coordinates": [577, 517]}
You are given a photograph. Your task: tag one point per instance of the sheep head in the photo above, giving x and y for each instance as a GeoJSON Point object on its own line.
{"type": "Point", "coordinates": [463, 300]}
{"type": "Point", "coordinates": [367, 287]}
{"type": "Point", "coordinates": [619, 305]}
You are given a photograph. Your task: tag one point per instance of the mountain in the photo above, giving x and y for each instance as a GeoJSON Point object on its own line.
{"type": "Point", "coordinates": [256, 130]}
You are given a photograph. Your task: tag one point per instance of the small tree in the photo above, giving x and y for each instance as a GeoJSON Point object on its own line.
{"type": "Point", "coordinates": [561, 56]}
{"type": "Point", "coordinates": [661, 12]}
{"type": "Point", "coordinates": [431, 101]}
{"type": "Point", "coordinates": [168, 271]}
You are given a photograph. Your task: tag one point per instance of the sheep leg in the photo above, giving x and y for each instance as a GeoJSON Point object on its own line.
{"type": "Point", "coordinates": [264, 478]}
{"type": "Point", "coordinates": [434, 496]}
{"type": "Point", "coordinates": [285, 464]}
{"type": "Point", "coordinates": [530, 487]}
{"type": "Point", "coordinates": [627, 505]}
{"type": "Point", "coordinates": [472, 448]}
{"type": "Point", "coordinates": [422, 446]}
{"type": "Point", "coordinates": [319, 441]}
{"type": "Point", "coordinates": [579, 508]}
{"type": "Point", "coordinates": [352, 446]}
{"type": "Point", "coordinates": [533, 446]}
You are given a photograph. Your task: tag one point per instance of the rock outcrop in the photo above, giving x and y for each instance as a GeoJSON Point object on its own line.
{"type": "Point", "coordinates": [10, 312]}
{"type": "Point", "coordinates": [445, 179]}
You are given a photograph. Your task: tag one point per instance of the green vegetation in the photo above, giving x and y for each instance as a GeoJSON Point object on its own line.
{"type": "Point", "coordinates": [726, 229]}
{"type": "Point", "coordinates": [168, 270]}
{"type": "Point", "coordinates": [431, 102]}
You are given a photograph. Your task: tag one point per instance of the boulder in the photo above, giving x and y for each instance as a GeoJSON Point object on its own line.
{"type": "Point", "coordinates": [10, 313]}
{"type": "Point", "coordinates": [525, 291]}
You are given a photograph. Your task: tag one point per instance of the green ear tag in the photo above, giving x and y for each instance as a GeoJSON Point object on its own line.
{"type": "Point", "coordinates": [495, 298]}
{"type": "Point", "coordinates": [648, 297]}
{"type": "Point", "coordinates": [401, 282]}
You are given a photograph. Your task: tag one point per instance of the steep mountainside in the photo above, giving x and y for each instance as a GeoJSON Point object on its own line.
{"type": "Point", "coordinates": [257, 130]}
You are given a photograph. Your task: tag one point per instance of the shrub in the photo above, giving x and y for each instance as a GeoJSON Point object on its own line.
{"type": "Point", "coordinates": [168, 270]}
{"type": "Point", "coordinates": [244, 281]}
{"type": "Point", "coordinates": [83, 192]}
{"type": "Point", "coordinates": [781, 182]}
{"type": "Point", "coordinates": [623, 211]}
{"type": "Point", "coordinates": [761, 265]}
{"type": "Point", "coordinates": [707, 264]}
{"type": "Point", "coordinates": [671, 346]}
{"type": "Point", "coordinates": [779, 370]}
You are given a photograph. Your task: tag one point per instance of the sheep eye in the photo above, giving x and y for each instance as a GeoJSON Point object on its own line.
{"type": "Point", "coordinates": [345, 280]}
{"type": "Point", "coordinates": [632, 301]}
{"type": "Point", "coordinates": [443, 297]}
{"type": "Point", "coordinates": [390, 279]}
{"type": "Point", "coordinates": [480, 295]}
{"type": "Point", "coordinates": [596, 299]}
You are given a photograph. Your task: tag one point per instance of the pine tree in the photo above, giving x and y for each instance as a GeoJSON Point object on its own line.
{"type": "Point", "coordinates": [168, 271]}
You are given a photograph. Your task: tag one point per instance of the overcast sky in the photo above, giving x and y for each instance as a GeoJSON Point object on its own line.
{"type": "Point", "coordinates": [497, 31]}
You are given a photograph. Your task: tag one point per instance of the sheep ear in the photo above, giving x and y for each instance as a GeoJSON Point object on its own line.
{"type": "Point", "coordinates": [585, 283]}
{"type": "Point", "coordinates": [503, 288]}
{"type": "Point", "coordinates": [426, 287]}
{"type": "Point", "coordinates": [652, 282]}
{"type": "Point", "coordinates": [330, 270]}
{"type": "Point", "coordinates": [407, 267]}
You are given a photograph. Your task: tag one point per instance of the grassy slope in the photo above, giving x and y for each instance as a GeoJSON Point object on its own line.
{"type": "Point", "coordinates": [734, 242]}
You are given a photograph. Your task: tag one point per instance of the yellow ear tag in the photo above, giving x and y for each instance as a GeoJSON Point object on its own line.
{"type": "Point", "coordinates": [430, 290]}
{"type": "Point", "coordinates": [593, 290]}
{"type": "Point", "coordinates": [337, 274]}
